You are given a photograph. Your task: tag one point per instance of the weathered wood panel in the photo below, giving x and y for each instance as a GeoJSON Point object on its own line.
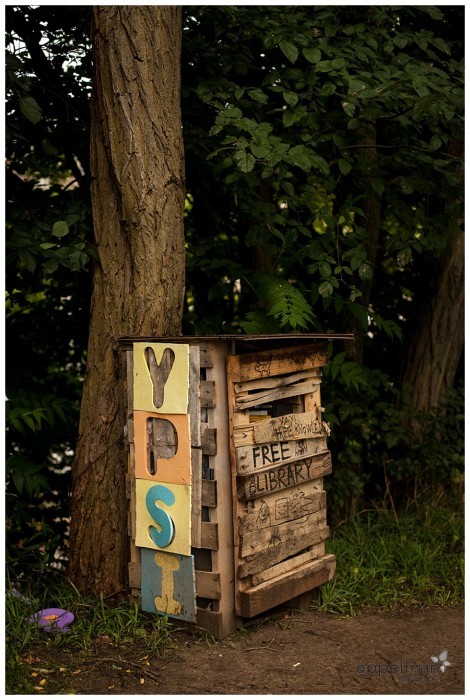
{"type": "Point", "coordinates": [269, 383]}
{"type": "Point", "coordinates": [209, 493]}
{"type": "Point", "coordinates": [194, 407]}
{"type": "Point", "coordinates": [293, 426]}
{"type": "Point", "coordinates": [252, 399]}
{"type": "Point", "coordinates": [251, 458]}
{"type": "Point", "coordinates": [292, 504]}
{"type": "Point", "coordinates": [196, 496]}
{"type": "Point", "coordinates": [279, 361]}
{"type": "Point", "coordinates": [208, 585]}
{"type": "Point", "coordinates": [282, 477]}
{"type": "Point", "coordinates": [277, 591]}
{"type": "Point", "coordinates": [283, 542]}
{"type": "Point", "coordinates": [288, 565]}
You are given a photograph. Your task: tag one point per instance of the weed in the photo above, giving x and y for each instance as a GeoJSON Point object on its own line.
{"type": "Point", "coordinates": [415, 558]}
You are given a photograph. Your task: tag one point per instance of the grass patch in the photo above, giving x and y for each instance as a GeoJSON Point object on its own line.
{"type": "Point", "coordinates": [413, 559]}
{"type": "Point", "coordinates": [122, 625]}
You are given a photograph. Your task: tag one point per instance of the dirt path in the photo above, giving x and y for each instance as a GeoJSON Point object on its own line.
{"type": "Point", "coordinates": [290, 653]}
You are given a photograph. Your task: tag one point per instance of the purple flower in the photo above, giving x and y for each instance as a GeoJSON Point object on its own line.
{"type": "Point", "coordinates": [53, 619]}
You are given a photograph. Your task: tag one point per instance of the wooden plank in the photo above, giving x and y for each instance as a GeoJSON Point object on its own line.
{"type": "Point", "coordinates": [209, 536]}
{"type": "Point", "coordinates": [292, 504]}
{"type": "Point", "coordinates": [277, 591]}
{"type": "Point", "coordinates": [207, 394]}
{"type": "Point", "coordinates": [282, 477]}
{"type": "Point", "coordinates": [209, 441]}
{"type": "Point", "coordinates": [208, 585]}
{"type": "Point", "coordinates": [293, 533]}
{"type": "Point", "coordinates": [134, 574]}
{"type": "Point", "coordinates": [293, 426]}
{"type": "Point", "coordinates": [280, 361]}
{"type": "Point", "coordinates": [196, 496]}
{"type": "Point", "coordinates": [216, 623]}
{"type": "Point", "coordinates": [209, 493]}
{"type": "Point", "coordinates": [194, 407]}
{"type": "Point", "coordinates": [274, 382]}
{"type": "Point", "coordinates": [244, 401]}
{"type": "Point", "coordinates": [223, 557]}
{"type": "Point", "coordinates": [288, 566]}
{"type": "Point", "coordinates": [282, 545]}
{"type": "Point", "coordinates": [251, 458]}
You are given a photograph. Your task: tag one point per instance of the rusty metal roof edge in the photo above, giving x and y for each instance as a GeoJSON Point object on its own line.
{"type": "Point", "coordinates": [240, 338]}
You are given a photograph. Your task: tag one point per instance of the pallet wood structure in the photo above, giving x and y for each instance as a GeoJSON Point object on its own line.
{"type": "Point", "coordinates": [227, 453]}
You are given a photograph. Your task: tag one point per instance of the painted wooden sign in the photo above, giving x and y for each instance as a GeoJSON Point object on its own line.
{"type": "Point", "coordinates": [161, 377]}
{"type": "Point", "coordinates": [293, 426]}
{"type": "Point", "coordinates": [162, 447]}
{"type": "Point", "coordinates": [282, 477]}
{"type": "Point", "coordinates": [163, 516]}
{"type": "Point", "coordinates": [168, 584]}
{"type": "Point", "coordinates": [251, 458]}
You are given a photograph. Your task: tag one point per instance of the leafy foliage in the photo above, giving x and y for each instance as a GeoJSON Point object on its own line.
{"type": "Point", "coordinates": [323, 167]}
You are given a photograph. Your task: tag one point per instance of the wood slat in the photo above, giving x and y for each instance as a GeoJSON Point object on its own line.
{"type": "Point", "coordinates": [208, 585]}
{"type": "Point", "coordinates": [287, 566]}
{"type": "Point", "coordinates": [194, 407]}
{"type": "Point", "coordinates": [269, 594]}
{"type": "Point", "coordinates": [293, 504]}
{"type": "Point", "coordinates": [207, 394]}
{"type": "Point", "coordinates": [209, 493]}
{"type": "Point", "coordinates": [196, 496]}
{"type": "Point", "coordinates": [280, 547]}
{"type": "Point", "coordinates": [209, 536]}
{"type": "Point", "coordinates": [251, 458]}
{"type": "Point", "coordinates": [209, 441]}
{"type": "Point", "coordinates": [274, 382]}
{"type": "Point", "coordinates": [279, 361]}
{"type": "Point", "coordinates": [278, 478]}
{"type": "Point", "coordinates": [295, 535]}
{"type": "Point", "coordinates": [243, 401]}
{"type": "Point", "coordinates": [293, 426]}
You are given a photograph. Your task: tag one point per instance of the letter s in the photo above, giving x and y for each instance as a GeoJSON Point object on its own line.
{"type": "Point", "coordinates": [167, 534]}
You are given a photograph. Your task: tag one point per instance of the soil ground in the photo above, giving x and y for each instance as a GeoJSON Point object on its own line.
{"type": "Point", "coordinates": [289, 652]}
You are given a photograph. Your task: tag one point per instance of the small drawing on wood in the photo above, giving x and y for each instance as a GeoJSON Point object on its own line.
{"type": "Point", "coordinates": [168, 585]}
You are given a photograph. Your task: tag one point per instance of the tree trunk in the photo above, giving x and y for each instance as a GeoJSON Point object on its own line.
{"type": "Point", "coordinates": [437, 344]}
{"type": "Point", "coordinates": [138, 287]}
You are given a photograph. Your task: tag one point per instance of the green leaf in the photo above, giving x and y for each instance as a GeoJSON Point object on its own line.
{"type": "Point", "coordinates": [30, 109]}
{"type": "Point", "coordinates": [290, 97]}
{"type": "Point", "coordinates": [325, 289]}
{"type": "Point", "coordinates": [345, 166]}
{"type": "Point", "coordinates": [289, 50]}
{"type": "Point", "coordinates": [312, 54]}
{"type": "Point", "coordinates": [258, 95]}
{"type": "Point", "coordinates": [300, 156]}
{"type": "Point", "coordinates": [60, 229]}
{"type": "Point", "coordinates": [245, 161]}
{"type": "Point", "coordinates": [365, 272]}
{"type": "Point", "coordinates": [338, 63]}
{"type": "Point", "coordinates": [288, 117]}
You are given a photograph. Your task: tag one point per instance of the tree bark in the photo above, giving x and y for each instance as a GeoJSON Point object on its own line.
{"type": "Point", "coordinates": [137, 166]}
{"type": "Point", "coordinates": [437, 344]}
